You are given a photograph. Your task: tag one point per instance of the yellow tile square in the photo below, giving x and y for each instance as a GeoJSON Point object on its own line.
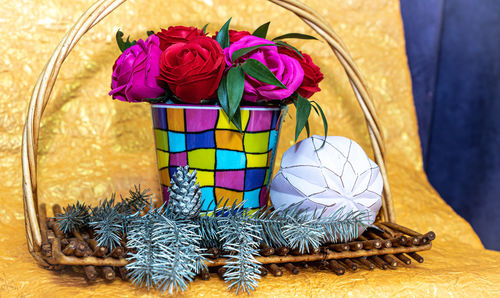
{"type": "Point", "coordinates": [163, 158]}
{"type": "Point", "coordinates": [223, 121]}
{"type": "Point", "coordinates": [245, 115]}
{"type": "Point", "coordinates": [205, 178]}
{"type": "Point", "coordinates": [257, 160]}
{"type": "Point", "coordinates": [165, 177]}
{"type": "Point", "coordinates": [256, 142]}
{"type": "Point", "coordinates": [203, 159]}
{"type": "Point", "coordinates": [227, 139]}
{"type": "Point", "coordinates": [161, 139]}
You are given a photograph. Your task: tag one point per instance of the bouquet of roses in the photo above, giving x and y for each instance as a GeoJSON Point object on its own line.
{"type": "Point", "coordinates": [185, 64]}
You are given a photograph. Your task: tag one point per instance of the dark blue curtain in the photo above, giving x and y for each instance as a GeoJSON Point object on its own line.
{"type": "Point", "coordinates": [453, 49]}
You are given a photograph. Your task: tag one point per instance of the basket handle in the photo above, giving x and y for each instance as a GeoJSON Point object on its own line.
{"type": "Point", "coordinates": [99, 10]}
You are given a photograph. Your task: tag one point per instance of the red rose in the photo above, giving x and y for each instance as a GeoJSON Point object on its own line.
{"type": "Point", "coordinates": [312, 73]}
{"type": "Point", "coordinates": [176, 34]}
{"type": "Point", "coordinates": [234, 35]}
{"type": "Point", "coordinates": [193, 69]}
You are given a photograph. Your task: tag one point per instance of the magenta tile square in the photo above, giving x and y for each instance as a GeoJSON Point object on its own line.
{"type": "Point", "coordinates": [178, 159]}
{"type": "Point", "coordinates": [260, 120]}
{"type": "Point", "coordinates": [230, 179]}
{"type": "Point", "coordinates": [164, 191]}
{"type": "Point", "coordinates": [194, 122]}
{"type": "Point", "coordinates": [263, 196]}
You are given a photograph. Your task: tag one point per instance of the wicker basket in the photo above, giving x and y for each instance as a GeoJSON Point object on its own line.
{"type": "Point", "coordinates": [43, 241]}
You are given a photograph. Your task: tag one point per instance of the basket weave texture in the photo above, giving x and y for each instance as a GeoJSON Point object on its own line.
{"type": "Point", "coordinates": [99, 10]}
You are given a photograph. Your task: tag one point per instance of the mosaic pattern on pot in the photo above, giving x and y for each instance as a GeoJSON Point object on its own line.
{"type": "Point", "coordinates": [230, 165]}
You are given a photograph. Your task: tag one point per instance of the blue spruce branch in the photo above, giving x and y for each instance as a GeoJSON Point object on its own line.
{"type": "Point", "coordinates": [208, 226]}
{"type": "Point", "coordinates": [239, 235]}
{"type": "Point", "coordinates": [140, 237]}
{"type": "Point", "coordinates": [167, 251]}
{"type": "Point", "coordinates": [136, 200]}
{"type": "Point", "coordinates": [301, 228]}
{"type": "Point", "coordinates": [179, 257]}
{"type": "Point", "coordinates": [167, 247]}
{"type": "Point", "coordinates": [74, 217]}
{"type": "Point", "coordinates": [107, 223]}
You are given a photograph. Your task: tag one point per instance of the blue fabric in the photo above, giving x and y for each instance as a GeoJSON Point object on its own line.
{"type": "Point", "coordinates": [453, 50]}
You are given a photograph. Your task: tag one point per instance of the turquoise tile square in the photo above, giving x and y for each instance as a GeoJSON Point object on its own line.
{"type": "Point", "coordinates": [230, 160]}
{"type": "Point", "coordinates": [208, 198]}
{"type": "Point", "coordinates": [176, 141]}
{"type": "Point", "coordinates": [251, 198]}
{"type": "Point", "coordinates": [273, 139]}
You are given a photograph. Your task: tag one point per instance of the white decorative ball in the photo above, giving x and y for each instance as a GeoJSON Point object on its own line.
{"type": "Point", "coordinates": [339, 175]}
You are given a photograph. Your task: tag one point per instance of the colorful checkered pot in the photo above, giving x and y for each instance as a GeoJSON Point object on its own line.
{"type": "Point", "coordinates": [230, 165]}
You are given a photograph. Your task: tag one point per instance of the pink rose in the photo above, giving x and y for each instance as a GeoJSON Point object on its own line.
{"type": "Point", "coordinates": [135, 72]}
{"type": "Point", "coordinates": [285, 68]}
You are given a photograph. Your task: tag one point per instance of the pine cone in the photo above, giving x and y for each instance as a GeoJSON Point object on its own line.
{"type": "Point", "coordinates": [185, 194]}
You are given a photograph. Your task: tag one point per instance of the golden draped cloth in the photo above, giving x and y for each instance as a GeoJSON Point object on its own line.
{"type": "Point", "coordinates": [91, 146]}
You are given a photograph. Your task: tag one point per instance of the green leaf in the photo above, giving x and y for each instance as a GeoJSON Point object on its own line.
{"type": "Point", "coordinates": [303, 107]}
{"type": "Point", "coordinates": [235, 86]}
{"type": "Point", "coordinates": [284, 44]}
{"type": "Point", "coordinates": [295, 35]}
{"type": "Point", "coordinates": [237, 120]}
{"type": "Point", "coordinates": [150, 33]}
{"type": "Point", "coordinates": [123, 45]}
{"type": "Point", "coordinates": [204, 29]}
{"type": "Point", "coordinates": [223, 36]}
{"type": "Point", "coordinates": [262, 30]}
{"type": "Point", "coordinates": [308, 130]}
{"type": "Point", "coordinates": [237, 54]}
{"type": "Point", "coordinates": [222, 95]}
{"type": "Point", "coordinates": [323, 117]}
{"type": "Point", "coordinates": [260, 72]}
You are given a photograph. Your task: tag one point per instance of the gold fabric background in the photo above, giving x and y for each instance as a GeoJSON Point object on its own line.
{"type": "Point", "coordinates": [91, 146]}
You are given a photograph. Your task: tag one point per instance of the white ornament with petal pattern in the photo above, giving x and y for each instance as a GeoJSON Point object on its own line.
{"type": "Point", "coordinates": [339, 175]}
